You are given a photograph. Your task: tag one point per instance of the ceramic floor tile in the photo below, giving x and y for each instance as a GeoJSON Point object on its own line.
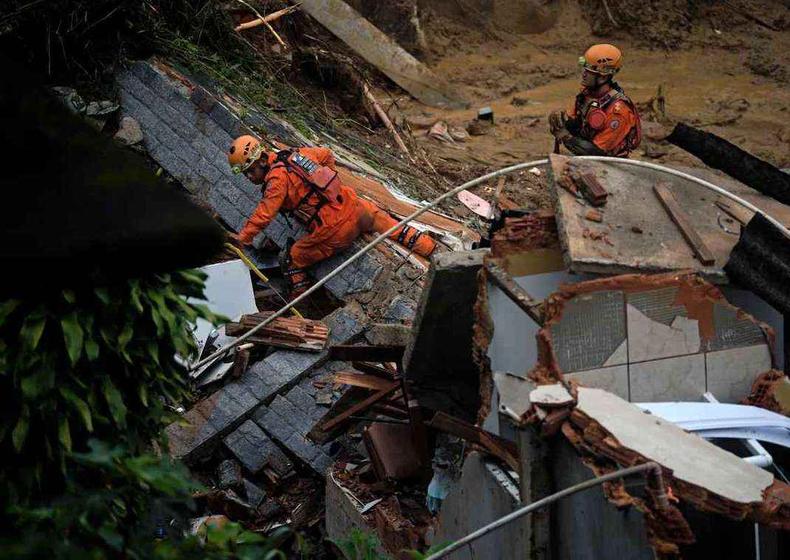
{"type": "Point", "coordinates": [613, 379]}
{"type": "Point", "coordinates": [731, 372]}
{"type": "Point", "coordinates": [650, 340]}
{"type": "Point", "coordinates": [672, 379]}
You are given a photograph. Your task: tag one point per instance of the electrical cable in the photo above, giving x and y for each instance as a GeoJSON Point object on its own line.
{"type": "Point", "coordinates": [467, 185]}
{"type": "Point", "coordinates": [540, 504]}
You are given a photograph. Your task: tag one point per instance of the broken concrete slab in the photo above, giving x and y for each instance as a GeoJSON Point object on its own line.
{"type": "Point", "coordinates": [439, 359]}
{"type": "Point", "coordinates": [613, 247]}
{"type": "Point", "coordinates": [255, 450]}
{"type": "Point", "coordinates": [550, 396]}
{"type": "Point", "coordinates": [377, 48]}
{"type": "Point", "coordinates": [684, 455]}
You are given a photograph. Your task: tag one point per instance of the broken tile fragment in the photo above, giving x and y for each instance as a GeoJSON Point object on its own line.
{"type": "Point", "coordinates": [550, 396]}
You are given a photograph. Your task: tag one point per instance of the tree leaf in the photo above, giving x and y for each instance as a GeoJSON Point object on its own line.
{"type": "Point", "coordinates": [91, 349]}
{"type": "Point", "coordinates": [79, 405]}
{"type": "Point", "coordinates": [125, 336]}
{"type": "Point", "coordinates": [110, 535]}
{"type": "Point", "coordinates": [115, 402]}
{"type": "Point", "coordinates": [33, 328]}
{"type": "Point", "coordinates": [7, 307]}
{"type": "Point", "coordinates": [72, 334]}
{"type": "Point", "coordinates": [64, 433]}
{"type": "Point", "coordinates": [103, 295]}
{"type": "Point", "coordinates": [37, 382]}
{"type": "Point", "coordinates": [69, 296]}
{"type": "Point", "coordinates": [142, 392]}
{"type": "Point", "coordinates": [20, 430]}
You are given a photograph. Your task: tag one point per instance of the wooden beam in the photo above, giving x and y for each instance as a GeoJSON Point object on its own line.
{"type": "Point", "coordinates": [378, 354]}
{"type": "Point", "coordinates": [504, 450]}
{"type": "Point", "coordinates": [360, 407]}
{"type": "Point", "coordinates": [362, 380]}
{"type": "Point", "coordinates": [516, 293]}
{"type": "Point", "coordinates": [373, 369]}
{"type": "Point", "coordinates": [682, 220]}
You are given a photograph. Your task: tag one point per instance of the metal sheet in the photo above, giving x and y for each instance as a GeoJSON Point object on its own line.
{"type": "Point", "coordinates": [724, 420]}
{"type": "Point", "coordinates": [228, 292]}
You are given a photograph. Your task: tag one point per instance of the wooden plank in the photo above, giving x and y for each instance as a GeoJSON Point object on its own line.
{"type": "Point", "coordinates": [373, 369]}
{"type": "Point", "coordinates": [284, 332]}
{"type": "Point", "coordinates": [382, 52]}
{"type": "Point", "coordinates": [362, 380]}
{"type": "Point", "coordinates": [365, 353]}
{"type": "Point", "coordinates": [498, 447]}
{"type": "Point", "coordinates": [737, 212]}
{"type": "Point", "coordinates": [359, 407]}
{"type": "Point", "coordinates": [516, 293]}
{"type": "Point", "coordinates": [683, 222]}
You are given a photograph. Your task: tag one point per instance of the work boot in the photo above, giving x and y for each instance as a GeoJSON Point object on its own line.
{"type": "Point", "coordinates": [414, 240]}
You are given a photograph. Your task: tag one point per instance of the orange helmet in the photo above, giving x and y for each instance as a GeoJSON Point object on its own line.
{"type": "Point", "coordinates": [244, 151]}
{"type": "Point", "coordinates": [602, 59]}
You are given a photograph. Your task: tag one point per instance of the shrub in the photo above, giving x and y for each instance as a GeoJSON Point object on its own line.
{"type": "Point", "coordinates": [86, 378]}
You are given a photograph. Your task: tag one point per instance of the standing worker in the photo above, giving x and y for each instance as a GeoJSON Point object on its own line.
{"type": "Point", "coordinates": [603, 121]}
{"type": "Point", "coordinates": [304, 183]}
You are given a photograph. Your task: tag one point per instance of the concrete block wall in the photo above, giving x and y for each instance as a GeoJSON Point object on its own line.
{"type": "Point", "coordinates": [187, 130]}
{"type": "Point", "coordinates": [222, 412]}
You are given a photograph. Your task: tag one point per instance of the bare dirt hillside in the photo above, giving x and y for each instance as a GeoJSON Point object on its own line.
{"type": "Point", "coordinates": [719, 69]}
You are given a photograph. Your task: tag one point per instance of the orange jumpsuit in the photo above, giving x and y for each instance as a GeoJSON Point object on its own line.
{"type": "Point", "coordinates": [337, 225]}
{"type": "Point", "coordinates": [620, 132]}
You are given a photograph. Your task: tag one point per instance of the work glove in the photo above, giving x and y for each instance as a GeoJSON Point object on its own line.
{"type": "Point", "coordinates": [557, 120]}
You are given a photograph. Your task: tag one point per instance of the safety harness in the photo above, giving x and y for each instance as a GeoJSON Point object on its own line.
{"type": "Point", "coordinates": [322, 181]}
{"type": "Point", "coordinates": [591, 113]}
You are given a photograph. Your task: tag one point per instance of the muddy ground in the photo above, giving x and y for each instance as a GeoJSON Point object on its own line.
{"type": "Point", "coordinates": [718, 69]}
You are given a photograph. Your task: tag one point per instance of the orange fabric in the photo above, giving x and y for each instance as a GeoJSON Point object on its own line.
{"type": "Point", "coordinates": [620, 119]}
{"type": "Point", "coordinates": [340, 223]}
{"type": "Point", "coordinates": [382, 221]}
{"type": "Point", "coordinates": [324, 242]}
{"type": "Point", "coordinates": [284, 190]}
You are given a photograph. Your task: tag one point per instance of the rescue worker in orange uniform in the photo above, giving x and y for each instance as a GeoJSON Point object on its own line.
{"type": "Point", "coordinates": [602, 121]}
{"type": "Point", "coordinates": [304, 183]}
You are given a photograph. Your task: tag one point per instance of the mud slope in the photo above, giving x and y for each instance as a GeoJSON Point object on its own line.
{"type": "Point", "coordinates": [719, 70]}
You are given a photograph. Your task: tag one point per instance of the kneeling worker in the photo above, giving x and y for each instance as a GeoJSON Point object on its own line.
{"type": "Point", "coordinates": [304, 183]}
{"type": "Point", "coordinates": [603, 121]}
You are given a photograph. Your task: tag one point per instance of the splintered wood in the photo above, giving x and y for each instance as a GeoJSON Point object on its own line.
{"type": "Point", "coordinates": [283, 332]}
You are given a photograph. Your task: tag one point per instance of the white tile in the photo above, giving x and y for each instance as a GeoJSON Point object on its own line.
{"type": "Point", "coordinates": [619, 356]}
{"type": "Point", "coordinates": [650, 340]}
{"type": "Point", "coordinates": [613, 379]}
{"type": "Point", "coordinates": [672, 379]}
{"type": "Point", "coordinates": [731, 372]}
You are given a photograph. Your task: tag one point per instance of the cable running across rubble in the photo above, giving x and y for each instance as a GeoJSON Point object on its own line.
{"type": "Point", "coordinates": [456, 190]}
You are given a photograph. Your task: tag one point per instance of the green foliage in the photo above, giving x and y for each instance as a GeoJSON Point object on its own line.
{"type": "Point", "coordinates": [109, 493]}
{"type": "Point", "coordinates": [85, 362]}
{"type": "Point", "coordinates": [82, 367]}
{"type": "Point", "coordinates": [360, 545]}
